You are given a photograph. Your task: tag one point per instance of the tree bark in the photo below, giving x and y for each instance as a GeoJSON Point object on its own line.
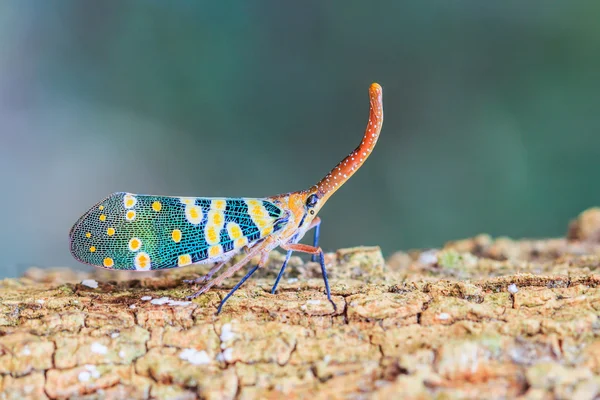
{"type": "Point", "coordinates": [479, 318]}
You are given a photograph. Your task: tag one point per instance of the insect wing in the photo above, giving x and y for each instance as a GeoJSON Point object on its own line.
{"type": "Point", "coordinates": [142, 232]}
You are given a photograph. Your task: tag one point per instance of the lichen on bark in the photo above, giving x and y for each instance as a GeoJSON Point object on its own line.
{"type": "Point", "coordinates": [480, 317]}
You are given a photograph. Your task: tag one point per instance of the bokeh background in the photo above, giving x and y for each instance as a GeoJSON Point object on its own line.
{"type": "Point", "coordinates": [492, 119]}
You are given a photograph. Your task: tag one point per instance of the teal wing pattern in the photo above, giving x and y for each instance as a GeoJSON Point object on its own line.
{"type": "Point", "coordinates": [142, 232]}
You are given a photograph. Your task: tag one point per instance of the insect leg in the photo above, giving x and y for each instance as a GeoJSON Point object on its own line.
{"type": "Point", "coordinates": [209, 275]}
{"type": "Point", "coordinates": [287, 258]}
{"type": "Point", "coordinates": [304, 248]}
{"type": "Point", "coordinates": [324, 272]}
{"type": "Point", "coordinates": [230, 271]}
{"type": "Point", "coordinates": [236, 287]}
{"type": "Point", "coordinates": [316, 223]}
{"type": "Point", "coordinates": [263, 260]}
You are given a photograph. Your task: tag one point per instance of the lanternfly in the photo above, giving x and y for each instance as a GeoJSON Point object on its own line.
{"type": "Point", "coordinates": [140, 232]}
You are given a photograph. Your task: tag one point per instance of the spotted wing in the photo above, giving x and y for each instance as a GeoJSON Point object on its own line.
{"type": "Point", "coordinates": [141, 232]}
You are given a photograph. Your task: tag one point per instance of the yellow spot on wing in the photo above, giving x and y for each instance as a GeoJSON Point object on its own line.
{"type": "Point", "coordinates": [156, 206]}
{"type": "Point", "coordinates": [212, 237]}
{"type": "Point", "coordinates": [218, 204]}
{"type": "Point", "coordinates": [266, 231]}
{"type": "Point", "coordinates": [102, 217]}
{"type": "Point", "coordinates": [135, 244]}
{"type": "Point", "coordinates": [193, 214]}
{"type": "Point", "coordinates": [92, 249]}
{"type": "Point", "coordinates": [110, 231]}
{"type": "Point", "coordinates": [101, 208]}
{"type": "Point", "coordinates": [183, 260]}
{"type": "Point", "coordinates": [215, 251]}
{"type": "Point", "coordinates": [108, 262]}
{"type": "Point", "coordinates": [142, 261]}
{"type": "Point", "coordinates": [130, 215]}
{"type": "Point", "coordinates": [253, 203]}
{"type": "Point", "coordinates": [234, 230]}
{"type": "Point", "coordinates": [258, 213]}
{"type": "Point", "coordinates": [218, 218]}
{"type": "Point", "coordinates": [88, 235]}
{"type": "Point", "coordinates": [241, 242]}
{"type": "Point", "coordinates": [213, 226]}
{"type": "Point", "coordinates": [129, 201]}
{"type": "Point", "coordinates": [176, 235]}
{"type": "Point", "coordinates": [188, 200]}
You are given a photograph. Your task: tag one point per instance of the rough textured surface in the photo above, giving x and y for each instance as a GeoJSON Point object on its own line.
{"type": "Point", "coordinates": [478, 318]}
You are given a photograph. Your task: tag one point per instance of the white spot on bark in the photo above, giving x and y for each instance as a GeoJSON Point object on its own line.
{"type": "Point", "coordinates": [179, 303]}
{"type": "Point", "coordinates": [428, 257]}
{"type": "Point", "coordinates": [91, 372]}
{"type": "Point", "coordinates": [161, 301]}
{"type": "Point", "coordinates": [512, 288]}
{"type": "Point", "coordinates": [195, 357]}
{"type": "Point", "coordinates": [228, 355]}
{"type": "Point", "coordinates": [443, 316]}
{"type": "Point", "coordinates": [90, 283]}
{"type": "Point", "coordinates": [226, 333]}
{"type": "Point", "coordinates": [146, 298]}
{"type": "Point", "coordinates": [168, 301]}
{"type": "Point", "coordinates": [98, 348]}
{"type": "Point", "coordinates": [84, 376]}
{"type": "Point", "coordinates": [92, 369]}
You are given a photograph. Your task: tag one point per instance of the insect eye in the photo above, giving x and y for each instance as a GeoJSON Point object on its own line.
{"type": "Point", "coordinates": [312, 200]}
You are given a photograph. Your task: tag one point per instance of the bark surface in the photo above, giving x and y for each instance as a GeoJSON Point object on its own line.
{"type": "Point", "coordinates": [479, 318]}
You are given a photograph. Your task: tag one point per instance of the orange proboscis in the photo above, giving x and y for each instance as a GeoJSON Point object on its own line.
{"type": "Point", "coordinates": [349, 165]}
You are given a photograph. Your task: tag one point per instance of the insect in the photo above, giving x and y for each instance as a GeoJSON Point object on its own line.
{"type": "Point", "coordinates": [141, 232]}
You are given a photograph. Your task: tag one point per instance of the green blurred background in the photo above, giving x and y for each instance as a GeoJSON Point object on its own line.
{"type": "Point", "coordinates": [491, 113]}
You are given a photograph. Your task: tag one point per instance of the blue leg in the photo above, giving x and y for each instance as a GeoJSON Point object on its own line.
{"type": "Point", "coordinates": [317, 229]}
{"type": "Point", "coordinates": [287, 258]}
{"type": "Point", "coordinates": [316, 240]}
{"type": "Point", "coordinates": [236, 287]}
{"type": "Point", "coordinates": [324, 272]}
